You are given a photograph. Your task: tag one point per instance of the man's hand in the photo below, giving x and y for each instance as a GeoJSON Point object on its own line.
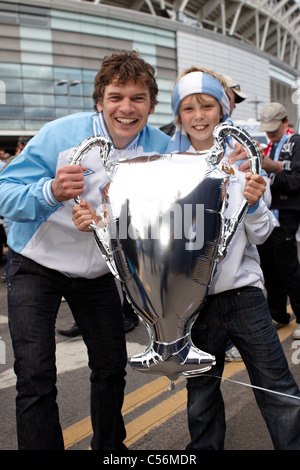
{"type": "Point", "coordinates": [254, 188]}
{"type": "Point", "coordinates": [238, 154]}
{"type": "Point", "coordinates": [241, 154]}
{"type": "Point", "coordinates": [83, 215]}
{"type": "Point", "coordinates": [68, 182]}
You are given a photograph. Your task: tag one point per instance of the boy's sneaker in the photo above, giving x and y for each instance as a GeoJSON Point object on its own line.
{"type": "Point", "coordinates": [233, 355]}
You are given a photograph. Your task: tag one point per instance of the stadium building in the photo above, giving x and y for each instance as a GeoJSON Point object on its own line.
{"type": "Point", "coordinates": [51, 50]}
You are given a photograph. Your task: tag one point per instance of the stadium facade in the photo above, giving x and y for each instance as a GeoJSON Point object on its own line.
{"type": "Point", "coordinates": [51, 50]}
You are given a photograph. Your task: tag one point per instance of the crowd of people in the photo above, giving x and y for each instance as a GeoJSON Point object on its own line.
{"type": "Point", "coordinates": [53, 255]}
{"type": "Point", "coordinates": [5, 159]}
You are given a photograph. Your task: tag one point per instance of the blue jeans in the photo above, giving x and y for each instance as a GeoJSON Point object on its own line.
{"type": "Point", "coordinates": [34, 296]}
{"type": "Point", "coordinates": [244, 316]}
{"type": "Point", "coordinates": [280, 264]}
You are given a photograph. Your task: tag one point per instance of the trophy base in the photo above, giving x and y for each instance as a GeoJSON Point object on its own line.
{"type": "Point", "coordinates": [179, 358]}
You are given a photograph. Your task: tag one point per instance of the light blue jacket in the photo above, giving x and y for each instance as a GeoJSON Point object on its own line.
{"type": "Point", "coordinates": [42, 228]}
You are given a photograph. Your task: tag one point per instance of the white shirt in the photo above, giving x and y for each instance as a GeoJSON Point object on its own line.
{"type": "Point", "coordinates": [241, 265]}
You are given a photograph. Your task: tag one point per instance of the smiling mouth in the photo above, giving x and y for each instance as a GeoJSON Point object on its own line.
{"type": "Point", "coordinates": [126, 121]}
{"type": "Point", "coordinates": [200, 128]}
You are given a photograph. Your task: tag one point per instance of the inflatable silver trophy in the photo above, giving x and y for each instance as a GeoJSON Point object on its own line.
{"type": "Point", "coordinates": [164, 233]}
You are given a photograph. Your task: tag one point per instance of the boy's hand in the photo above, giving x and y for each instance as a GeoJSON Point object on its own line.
{"type": "Point", "coordinates": [83, 215]}
{"type": "Point", "coordinates": [254, 188]}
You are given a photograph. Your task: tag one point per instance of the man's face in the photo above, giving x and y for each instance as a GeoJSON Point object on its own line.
{"type": "Point", "coordinates": [276, 135]}
{"type": "Point", "coordinates": [231, 100]}
{"type": "Point", "coordinates": [125, 110]}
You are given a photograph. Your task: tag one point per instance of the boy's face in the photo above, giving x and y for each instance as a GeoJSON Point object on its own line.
{"type": "Point", "coordinates": [200, 114]}
{"type": "Point", "coordinates": [125, 109]}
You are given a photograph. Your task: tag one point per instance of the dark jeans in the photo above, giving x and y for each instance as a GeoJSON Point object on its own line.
{"type": "Point", "coordinates": [243, 315]}
{"type": "Point", "coordinates": [281, 268]}
{"type": "Point", "coordinates": [128, 312]}
{"type": "Point", "coordinates": [34, 295]}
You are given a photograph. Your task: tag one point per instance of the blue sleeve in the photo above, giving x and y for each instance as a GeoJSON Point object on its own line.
{"type": "Point", "coordinates": [253, 208]}
{"type": "Point", "coordinates": [25, 184]}
{"type": "Point", "coordinates": [154, 140]}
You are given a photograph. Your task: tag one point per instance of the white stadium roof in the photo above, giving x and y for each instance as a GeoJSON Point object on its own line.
{"type": "Point", "coordinates": [272, 26]}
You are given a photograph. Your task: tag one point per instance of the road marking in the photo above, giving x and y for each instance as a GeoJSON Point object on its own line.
{"type": "Point", "coordinates": [3, 319]}
{"type": "Point", "coordinates": [159, 414]}
{"type": "Point", "coordinates": [153, 418]}
{"type": "Point", "coordinates": [149, 420]}
{"type": "Point", "coordinates": [133, 400]}
{"type": "Point", "coordinates": [70, 355]}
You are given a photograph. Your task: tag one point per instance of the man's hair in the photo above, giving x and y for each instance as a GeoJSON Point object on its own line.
{"type": "Point", "coordinates": [125, 66]}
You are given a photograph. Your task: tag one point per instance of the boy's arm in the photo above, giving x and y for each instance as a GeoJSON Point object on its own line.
{"type": "Point", "coordinates": [83, 215]}
{"type": "Point", "coordinates": [254, 188]}
{"type": "Point", "coordinates": [259, 221]}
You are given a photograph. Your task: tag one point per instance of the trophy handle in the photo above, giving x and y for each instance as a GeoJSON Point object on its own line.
{"type": "Point", "coordinates": [220, 133]}
{"type": "Point", "coordinates": [85, 146]}
{"type": "Point", "coordinates": [101, 235]}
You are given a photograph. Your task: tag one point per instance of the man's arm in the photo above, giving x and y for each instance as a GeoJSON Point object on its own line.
{"type": "Point", "coordinates": [30, 187]}
{"type": "Point", "coordinates": [288, 179]}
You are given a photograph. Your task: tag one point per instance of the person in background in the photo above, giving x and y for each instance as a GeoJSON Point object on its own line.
{"type": "Point", "coordinates": [6, 223]}
{"type": "Point", "coordinates": [279, 253]}
{"type": "Point", "coordinates": [236, 95]}
{"type": "Point", "coordinates": [2, 158]}
{"type": "Point", "coordinates": [21, 144]}
{"type": "Point", "coordinates": [51, 258]}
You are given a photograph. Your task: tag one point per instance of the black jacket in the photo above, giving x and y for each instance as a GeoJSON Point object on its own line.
{"type": "Point", "coordinates": [285, 187]}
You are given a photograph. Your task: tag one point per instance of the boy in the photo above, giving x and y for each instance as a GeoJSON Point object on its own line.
{"type": "Point", "coordinates": [235, 304]}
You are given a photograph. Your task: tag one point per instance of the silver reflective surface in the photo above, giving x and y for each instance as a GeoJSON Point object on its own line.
{"type": "Point", "coordinates": [165, 232]}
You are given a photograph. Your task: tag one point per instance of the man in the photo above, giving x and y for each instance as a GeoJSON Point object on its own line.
{"type": "Point", "coordinates": [235, 93]}
{"type": "Point", "coordinates": [279, 256]}
{"type": "Point", "coordinates": [51, 259]}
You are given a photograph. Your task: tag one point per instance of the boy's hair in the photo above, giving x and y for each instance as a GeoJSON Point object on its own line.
{"type": "Point", "coordinates": [125, 66]}
{"type": "Point", "coordinates": [210, 72]}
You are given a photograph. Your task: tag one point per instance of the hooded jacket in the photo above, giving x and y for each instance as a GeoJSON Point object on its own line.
{"type": "Point", "coordinates": [285, 187]}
